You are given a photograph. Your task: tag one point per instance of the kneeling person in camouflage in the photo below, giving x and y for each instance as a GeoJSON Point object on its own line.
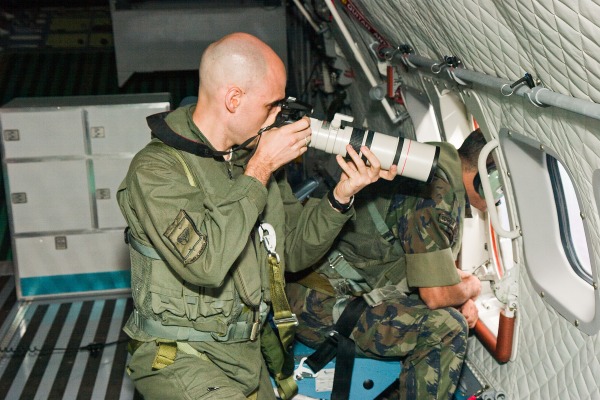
{"type": "Point", "coordinates": [399, 254]}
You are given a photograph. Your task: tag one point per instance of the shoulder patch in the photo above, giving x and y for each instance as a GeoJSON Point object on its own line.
{"type": "Point", "coordinates": [184, 235]}
{"type": "Point", "coordinates": [447, 221]}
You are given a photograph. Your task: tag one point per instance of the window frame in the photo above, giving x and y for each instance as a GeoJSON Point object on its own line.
{"type": "Point", "coordinates": [544, 257]}
{"type": "Point", "coordinates": [564, 221]}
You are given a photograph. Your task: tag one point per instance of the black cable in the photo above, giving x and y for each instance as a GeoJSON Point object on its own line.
{"type": "Point", "coordinates": [95, 349]}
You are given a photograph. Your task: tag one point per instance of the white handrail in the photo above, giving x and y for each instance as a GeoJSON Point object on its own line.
{"type": "Point", "coordinates": [489, 195]}
{"type": "Point", "coordinates": [309, 19]}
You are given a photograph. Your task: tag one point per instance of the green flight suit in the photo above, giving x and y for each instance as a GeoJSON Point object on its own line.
{"type": "Point", "coordinates": [425, 222]}
{"type": "Point", "coordinates": [210, 281]}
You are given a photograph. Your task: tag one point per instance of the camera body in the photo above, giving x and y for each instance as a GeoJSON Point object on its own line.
{"type": "Point", "coordinates": [292, 110]}
{"type": "Point", "coordinates": [414, 159]}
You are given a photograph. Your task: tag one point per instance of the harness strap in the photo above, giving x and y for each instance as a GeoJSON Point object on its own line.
{"type": "Point", "coordinates": [376, 296]}
{"type": "Point", "coordinates": [380, 224]}
{"type": "Point", "coordinates": [165, 355]}
{"type": "Point", "coordinates": [236, 332]}
{"type": "Point", "coordinates": [141, 248]}
{"type": "Point", "coordinates": [181, 160]}
{"type": "Point", "coordinates": [342, 277]}
{"type": "Point", "coordinates": [338, 344]}
{"type": "Point", "coordinates": [283, 317]}
{"type": "Point", "coordinates": [279, 362]}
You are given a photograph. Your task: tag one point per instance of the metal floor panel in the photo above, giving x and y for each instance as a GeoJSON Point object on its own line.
{"type": "Point", "coordinates": [63, 349]}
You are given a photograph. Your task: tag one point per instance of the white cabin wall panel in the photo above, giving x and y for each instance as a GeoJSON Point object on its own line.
{"type": "Point", "coordinates": [574, 138]}
{"type": "Point", "coordinates": [555, 41]}
{"type": "Point", "coordinates": [108, 175]}
{"type": "Point", "coordinates": [49, 196]}
{"type": "Point", "coordinates": [562, 38]}
{"type": "Point", "coordinates": [74, 253]}
{"type": "Point", "coordinates": [62, 132]}
{"type": "Point", "coordinates": [401, 24]}
{"type": "Point", "coordinates": [115, 130]}
{"type": "Point", "coordinates": [61, 181]}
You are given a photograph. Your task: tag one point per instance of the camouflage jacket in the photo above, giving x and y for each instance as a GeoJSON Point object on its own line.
{"type": "Point", "coordinates": [425, 220]}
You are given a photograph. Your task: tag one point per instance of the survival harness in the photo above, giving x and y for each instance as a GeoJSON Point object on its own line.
{"type": "Point", "coordinates": [276, 347]}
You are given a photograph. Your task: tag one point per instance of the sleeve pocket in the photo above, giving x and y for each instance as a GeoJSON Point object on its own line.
{"type": "Point", "coordinates": [182, 233]}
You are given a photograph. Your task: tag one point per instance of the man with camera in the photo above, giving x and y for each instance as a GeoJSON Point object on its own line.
{"type": "Point", "coordinates": [391, 279]}
{"type": "Point", "coordinates": [212, 225]}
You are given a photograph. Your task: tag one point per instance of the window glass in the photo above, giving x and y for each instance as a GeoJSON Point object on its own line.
{"type": "Point", "coordinates": [570, 221]}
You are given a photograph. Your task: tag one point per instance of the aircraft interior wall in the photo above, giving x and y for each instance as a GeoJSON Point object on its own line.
{"type": "Point", "coordinates": [515, 53]}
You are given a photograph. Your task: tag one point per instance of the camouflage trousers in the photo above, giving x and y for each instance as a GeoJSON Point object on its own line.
{"type": "Point", "coordinates": [431, 343]}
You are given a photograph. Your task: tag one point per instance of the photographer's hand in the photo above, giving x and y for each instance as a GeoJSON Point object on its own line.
{"type": "Point", "coordinates": [277, 147]}
{"type": "Point", "coordinates": [356, 174]}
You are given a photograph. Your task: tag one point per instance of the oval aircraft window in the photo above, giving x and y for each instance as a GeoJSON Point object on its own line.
{"type": "Point", "coordinates": [553, 235]}
{"type": "Point", "coordinates": [571, 226]}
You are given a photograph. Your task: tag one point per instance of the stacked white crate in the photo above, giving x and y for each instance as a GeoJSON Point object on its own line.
{"type": "Point", "coordinates": [63, 160]}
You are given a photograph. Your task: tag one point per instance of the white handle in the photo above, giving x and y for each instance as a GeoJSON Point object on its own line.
{"type": "Point", "coordinates": [487, 191]}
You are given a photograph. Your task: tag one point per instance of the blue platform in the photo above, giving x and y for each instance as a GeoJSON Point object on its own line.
{"type": "Point", "coordinates": [369, 377]}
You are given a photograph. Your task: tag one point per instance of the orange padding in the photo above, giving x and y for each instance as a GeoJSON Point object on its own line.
{"type": "Point", "coordinates": [390, 82]}
{"type": "Point", "coordinates": [500, 347]}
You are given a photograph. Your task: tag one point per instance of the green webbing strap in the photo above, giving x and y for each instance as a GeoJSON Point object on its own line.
{"type": "Point", "coordinates": [236, 332]}
{"type": "Point", "coordinates": [339, 263]}
{"type": "Point", "coordinates": [165, 355]}
{"type": "Point", "coordinates": [382, 227]}
{"type": "Point", "coordinates": [282, 315]}
{"type": "Point", "coordinates": [136, 244]}
{"type": "Point", "coordinates": [141, 248]}
{"type": "Point", "coordinates": [279, 362]}
{"type": "Point", "coordinates": [343, 279]}
{"type": "Point", "coordinates": [179, 157]}
{"type": "Point", "coordinates": [285, 321]}
{"type": "Point", "coordinates": [380, 224]}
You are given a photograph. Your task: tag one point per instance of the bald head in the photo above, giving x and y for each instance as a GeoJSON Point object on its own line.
{"type": "Point", "coordinates": [241, 78]}
{"type": "Point", "coordinates": [238, 59]}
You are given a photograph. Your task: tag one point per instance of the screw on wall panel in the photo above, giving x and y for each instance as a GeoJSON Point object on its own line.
{"type": "Point", "coordinates": [542, 294]}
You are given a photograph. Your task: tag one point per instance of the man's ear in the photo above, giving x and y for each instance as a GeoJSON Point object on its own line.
{"type": "Point", "coordinates": [233, 98]}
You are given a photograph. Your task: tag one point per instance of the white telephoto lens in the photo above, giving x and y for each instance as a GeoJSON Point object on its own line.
{"type": "Point", "coordinates": [414, 159]}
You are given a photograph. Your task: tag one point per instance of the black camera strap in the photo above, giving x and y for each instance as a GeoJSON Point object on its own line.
{"type": "Point", "coordinates": [161, 130]}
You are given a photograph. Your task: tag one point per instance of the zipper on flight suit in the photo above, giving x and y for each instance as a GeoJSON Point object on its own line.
{"type": "Point", "coordinates": [229, 170]}
{"type": "Point", "coordinates": [229, 167]}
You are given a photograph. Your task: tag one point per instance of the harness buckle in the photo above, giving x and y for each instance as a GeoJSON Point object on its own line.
{"type": "Point", "coordinates": [336, 260]}
{"type": "Point", "coordinates": [255, 331]}
{"type": "Point", "coordinates": [371, 300]}
{"type": "Point", "coordinates": [303, 372]}
{"type": "Point", "coordinates": [266, 234]}
{"type": "Point", "coordinates": [286, 320]}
